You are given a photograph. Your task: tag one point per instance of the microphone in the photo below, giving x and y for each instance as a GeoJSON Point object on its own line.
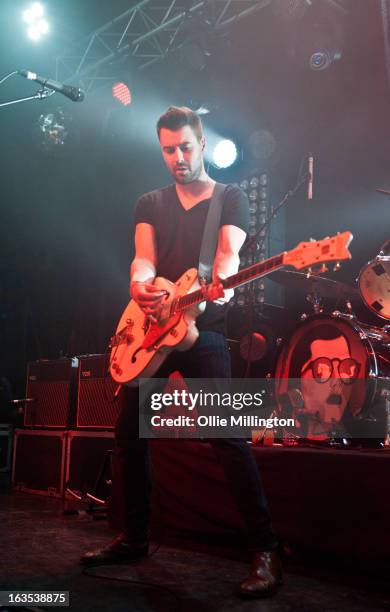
{"type": "Point", "coordinates": [73, 93]}
{"type": "Point", "coordinates": [310, 163]}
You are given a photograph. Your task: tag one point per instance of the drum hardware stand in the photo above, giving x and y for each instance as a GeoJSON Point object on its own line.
{"type": "Point", "coordinates": [386, 330]}
{"type": "Point", "coordinates": [335, 439]}
{"type": "Point", "coordinates": [265, 436]}
{"type": "Point", "coordinates": [349, 309]}
{"type": "Point", "coordinates": [335, 436]}
{"type": "Point", "coordinates": [350, 316]}
{"type": "Point", "coordinates": [315, 300]}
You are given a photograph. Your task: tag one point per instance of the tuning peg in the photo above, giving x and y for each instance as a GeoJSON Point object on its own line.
{"type": "Point", "coordinates": [309, 273]}
{"type": "Point", "coordinates": [337, 266]}
{"type": "Point", "coordinates": [312, 240]}
{"type": "Point", "coordinates": [323, 269]}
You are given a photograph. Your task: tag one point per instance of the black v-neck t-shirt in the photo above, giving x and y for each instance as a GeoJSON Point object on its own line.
{"type": "Point", "coordinates": [179, 234]}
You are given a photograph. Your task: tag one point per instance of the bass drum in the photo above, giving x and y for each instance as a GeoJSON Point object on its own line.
{"type": "Point", "coordinates": [374, 283]}
{"type": "Point", "coordinates": [331, 377]}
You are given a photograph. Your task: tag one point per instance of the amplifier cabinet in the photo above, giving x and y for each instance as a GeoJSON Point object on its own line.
{"type": "Point", "coordinates": [51, 384]}
{"type": "Point", "coordinates": [96, 406]}
{"type": "Point", "coordinates": [6, 435]}
{"type": "Point", "coordinates": [87, 458]}
{"type": "Point", "coordinates": [38, 461]}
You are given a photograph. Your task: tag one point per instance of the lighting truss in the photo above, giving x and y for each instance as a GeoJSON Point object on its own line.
{"type": "Point", "coordinates": [147, 32]}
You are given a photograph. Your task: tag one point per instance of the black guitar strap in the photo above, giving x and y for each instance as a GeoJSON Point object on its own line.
{"type": "Point", "coordinates": [210, 234]}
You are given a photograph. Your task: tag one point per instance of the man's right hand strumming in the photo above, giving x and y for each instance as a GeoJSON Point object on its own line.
{"type": "Point", "coordinates": [148, 298]}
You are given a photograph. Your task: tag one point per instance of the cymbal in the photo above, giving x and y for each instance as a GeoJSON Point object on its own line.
{"type": "Point", "coordinates": [324, 287]}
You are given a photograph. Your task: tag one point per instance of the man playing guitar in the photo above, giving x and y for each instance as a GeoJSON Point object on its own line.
{"type": "Point", "coordinates": [168, 235]}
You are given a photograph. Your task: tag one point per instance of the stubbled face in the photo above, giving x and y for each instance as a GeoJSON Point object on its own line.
{"type": "Point", "coordinates": [183, 153]}
{"type": "Point", "coordinates": [326, 399]}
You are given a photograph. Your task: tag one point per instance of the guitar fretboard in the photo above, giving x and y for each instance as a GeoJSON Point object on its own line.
{"type": "Point", "coordinates": [240, 278]}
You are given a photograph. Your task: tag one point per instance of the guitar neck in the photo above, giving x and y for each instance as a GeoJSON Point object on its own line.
{"type": "Point", "coordinates": [236, 280]}
{"type": "Point", "coordinates": [255, 271]}
{"type": "Point", "coordinates": [314, 252]}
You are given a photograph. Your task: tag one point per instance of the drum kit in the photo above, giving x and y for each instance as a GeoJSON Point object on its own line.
{"type": "Point", "coordinates": [332, 375]}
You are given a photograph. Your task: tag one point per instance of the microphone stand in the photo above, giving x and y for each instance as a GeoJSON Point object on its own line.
{"type": "Point", "coordinates": [253, 241]}
{"type": "Point", "coordinates": [41, 94]}
{"type": "Point", "coordinates": [253, 245]}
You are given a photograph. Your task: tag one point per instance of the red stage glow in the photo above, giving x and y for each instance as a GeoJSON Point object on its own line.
{"type": "Point", "coordinates": [122, 93]}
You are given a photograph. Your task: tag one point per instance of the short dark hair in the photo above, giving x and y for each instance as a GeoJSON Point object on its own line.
{"type": "Point", "coordinates": [177, 117]}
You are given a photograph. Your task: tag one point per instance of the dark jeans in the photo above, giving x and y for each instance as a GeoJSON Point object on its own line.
{"type": "Point", "coordinates": [208, 358]}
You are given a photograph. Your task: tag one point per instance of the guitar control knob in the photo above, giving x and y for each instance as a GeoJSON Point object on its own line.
{"type": "Point", "coordinates": [129, 322]}
{"type": "Point", "coordinates": [116, 368]}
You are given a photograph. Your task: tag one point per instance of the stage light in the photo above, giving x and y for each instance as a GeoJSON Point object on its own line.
{"type": "Point", "coordinates": [319, 43]}
{"type": "Point", "coordinates": [36, 30]}
{"type": "Point", "coordinates": [320, 60]}
{"type": "Point", "coordinates": [52, 127]}
{"type": "Point", "coordinates": [34, 17]}
{"type": "Point", "coordinates": [224, 154]}
{"type": "Point", "coordinates": [51, 132]}
{"type": "Point", "coordinates": [122, 93]}
{"type": "Point", "coordinates": [256, 189]}
{"type": "Point", "coordinates": [34, 13]}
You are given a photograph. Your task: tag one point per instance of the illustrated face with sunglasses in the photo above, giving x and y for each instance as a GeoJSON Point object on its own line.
{"type": "Point", "coordinates": [327, 378]}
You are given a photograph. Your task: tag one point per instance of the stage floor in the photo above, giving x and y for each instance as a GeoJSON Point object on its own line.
{"type": "Point", "coordinates": [40, 549]}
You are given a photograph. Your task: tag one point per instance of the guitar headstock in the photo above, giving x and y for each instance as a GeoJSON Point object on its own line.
{"type": "Point", "coordinates": [308, 254]}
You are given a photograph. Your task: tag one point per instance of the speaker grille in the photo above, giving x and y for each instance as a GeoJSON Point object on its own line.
{"type": "Point", "coordinates": [96, 406]}
{"type": "Point", "coordinates": [49, 385]}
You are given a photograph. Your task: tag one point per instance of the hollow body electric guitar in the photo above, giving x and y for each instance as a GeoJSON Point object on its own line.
{"type": "Point", "coordinates": [139, 346]}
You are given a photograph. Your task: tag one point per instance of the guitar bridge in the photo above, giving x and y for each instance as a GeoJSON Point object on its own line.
{"type": "Point", "coordinates": [124, 336]}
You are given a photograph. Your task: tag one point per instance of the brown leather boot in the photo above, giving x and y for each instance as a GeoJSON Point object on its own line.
{"type": "Point", "coordinates": [119, 550]}
{"type": "Point", "coordinates": [265, 576]}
